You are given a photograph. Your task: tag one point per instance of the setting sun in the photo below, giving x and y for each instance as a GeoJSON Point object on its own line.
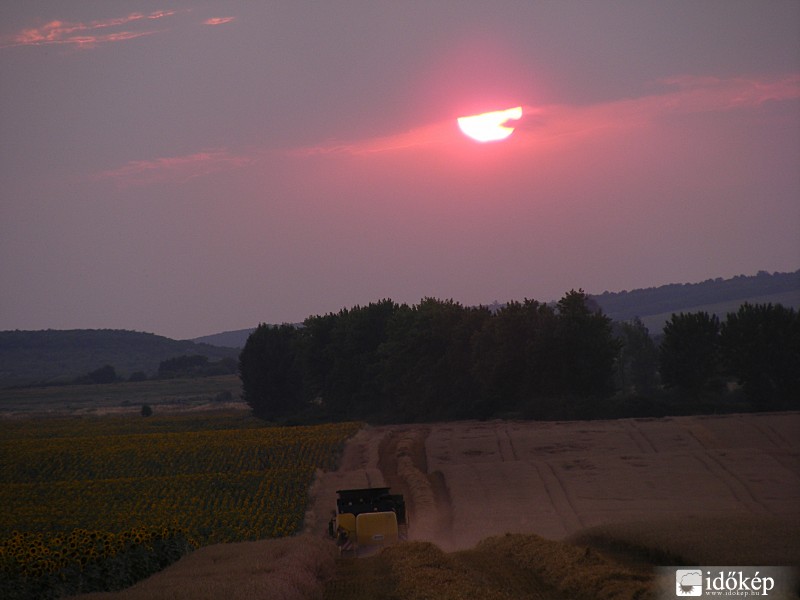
{"type": "Point", "coordinates": [490, 126]}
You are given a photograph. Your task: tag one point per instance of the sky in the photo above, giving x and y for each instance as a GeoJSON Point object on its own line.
{"type": "Point", "coordinates": [186, 168]}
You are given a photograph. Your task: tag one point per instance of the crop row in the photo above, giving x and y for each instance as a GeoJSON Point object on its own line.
{"type": "Point", "coordinates": [159, 454]}
{"type": "Point", "coordinates": [214, 507]}
{"type": "Point", "coordinates": [34, 554]}
{"type": "Point", "coordinates": [94, 426]}
{"type": "Point", "coordinates": [211, 485]}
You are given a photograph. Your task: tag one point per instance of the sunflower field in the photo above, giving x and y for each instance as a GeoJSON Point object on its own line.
{"type": "Point", "coordinates": [97, 503]}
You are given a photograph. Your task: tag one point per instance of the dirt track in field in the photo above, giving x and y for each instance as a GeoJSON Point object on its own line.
{"type": "Point", "coordinates": [470, 480]}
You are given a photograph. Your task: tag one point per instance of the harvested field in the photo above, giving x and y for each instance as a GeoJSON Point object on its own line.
{"type": "Point", "coordinates": [471, 480]}
{"type": "Point", "coordinates": [591, 507]}
{"type": "Point", "coordinates": [533, 510]}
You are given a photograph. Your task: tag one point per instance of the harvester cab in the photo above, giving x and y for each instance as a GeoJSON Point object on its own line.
{"type": "Point", "coordinates": [368, 518]}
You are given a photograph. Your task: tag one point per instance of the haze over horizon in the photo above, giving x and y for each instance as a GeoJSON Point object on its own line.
{"type": "Point", "coordinates": [199, 167]}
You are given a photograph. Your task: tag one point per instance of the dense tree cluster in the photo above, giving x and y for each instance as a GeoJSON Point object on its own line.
{"type": "Point", "coordinates": [758, 347]}
{"type": "Point", "coordinates": [434, 360]}
{"type": "Point", "coordinates": [439, 360]}
{"type": "Point", "coordinates": [105, 374]}
{"type": "Point", "coordinates": [195, 365]}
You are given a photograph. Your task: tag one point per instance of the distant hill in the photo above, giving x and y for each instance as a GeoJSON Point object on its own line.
{"type": "Point", "coordinates": [59, 356]}
{"type": "Point", "coordinates": [227, 339]}
{"type": "Point", "coordinates": [654, 306]}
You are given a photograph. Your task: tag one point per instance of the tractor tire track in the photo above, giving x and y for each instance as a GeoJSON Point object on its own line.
{"type": "Point", "coordinates": [505, 445]}
{"type": "Point", "coordinates": [770, 434]}
{"type": "Point", "coordinates": [738, 488]}
{"type": "Point", "coordinates": [559, 498]}
{"type": "Point", "coordinates": [639, 438]}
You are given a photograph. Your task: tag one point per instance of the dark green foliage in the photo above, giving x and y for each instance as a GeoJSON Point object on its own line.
{"type": "Point", "coordinates": [195, 366]}
{"type": "Point", "coordinates": [513, 361]}
{"type": "Point", "coordinates": [225, 366]}
{"type": "Point", "coordinates": [270, 370]}
{"type": "Point", "coordinates": [435, 360]}
{"type": "Point", "coordinates": [106, 374]}
{"type": "Point", "coordinates": [690, 353]}
{"type": "Point", "coordinates": [181, 364]}
{"type": "Point", "coordinates": [585, 350]}
{"type": "Point", "coordinates": [147, 410]}
{"type": "Point", "coordinates": [761, 347]}
{"type": "Point", "coordinates": [439, 360]}
{"type": "Point", "coordinates": [638, 363]}
{"type": "Point", "coordinates": [340, 357]}
{"type": "Point", "coordinates": [426, 369]}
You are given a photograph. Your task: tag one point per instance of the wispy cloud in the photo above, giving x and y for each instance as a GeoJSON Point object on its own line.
{"type": "Point", "coordinates": [676, 95]}
{"type": "Point", "coordinates": [696, 94]}
{"type": "Point", "coordinates": [89, 34]}
{"type": "Point", "coordinates": [175, 169]}
{"type": "Point", "coordinates": [539, 125]}
{"type": "Point", "coordinates": [421, 136]}
{"type": "Point", "coordinates": [218, 20]}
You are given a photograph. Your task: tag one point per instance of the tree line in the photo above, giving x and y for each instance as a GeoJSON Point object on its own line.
{"type": "Point", "coordinates": [758, 347]}
{"type": "Point", "coordinates": [439, 360]}
{"type": "Point", "coordinates": [187, 366]}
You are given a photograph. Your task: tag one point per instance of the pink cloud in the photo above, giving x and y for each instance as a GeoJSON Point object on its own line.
{"type": "Point", "coordinates": [177, 169]}
{"type": "Point", "coordinates": [218, 20]}
{"type": "Point", "coordinates": [437, 133]}
{"type": "Point", "coordinates": [86, 35]}
{"type": "Point", "coordinates": [540, 124]}
{"type": "Point", "coordinates": [680, 95]}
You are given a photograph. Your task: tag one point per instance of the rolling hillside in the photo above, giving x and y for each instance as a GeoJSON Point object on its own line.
{"type": "Point", "coordinates": [228, 339]}
{"type": "Point", "coordinates": [654, 306]}
{"type": "Point", "coordinates": [53, 356]}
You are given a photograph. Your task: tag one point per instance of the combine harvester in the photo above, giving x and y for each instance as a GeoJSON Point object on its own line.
{"type": "Point", "coordinates": [368, 519]}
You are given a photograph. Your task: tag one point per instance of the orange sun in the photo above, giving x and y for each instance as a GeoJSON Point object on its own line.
{"type": "Point", "coordinates": [490, 126]}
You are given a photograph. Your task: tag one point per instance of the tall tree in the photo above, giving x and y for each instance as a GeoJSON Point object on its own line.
{"type": "Point", "coordinates": [426, 369]}
{"type": "Point", "coordinates": [270, 372]}
{"type": "Point", "coordinates": [512, 356]}
{"type": "Point", "coordinates": [585, 348]}
{"type": "Point", "coordinates": [689, 355]}
{"type": "Point", "coordinates": [638, 364]}
{"type": "Point", "coordinates": [316, 356]}
{"type": "Point", "coordinates": [761, 348]}
{"type": "Point", "coordinates": [355, 339]}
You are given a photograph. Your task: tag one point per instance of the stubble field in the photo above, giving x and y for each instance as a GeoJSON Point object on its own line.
{"type": "Point", "coordinates": [592, 505]}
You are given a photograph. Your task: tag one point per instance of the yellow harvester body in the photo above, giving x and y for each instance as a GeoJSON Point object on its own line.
{"type": "Point", "coordinates": [368, 518]}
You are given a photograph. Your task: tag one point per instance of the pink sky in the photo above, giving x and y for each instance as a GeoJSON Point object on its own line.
{"type": "Point", "coordinates": [189, 169]}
